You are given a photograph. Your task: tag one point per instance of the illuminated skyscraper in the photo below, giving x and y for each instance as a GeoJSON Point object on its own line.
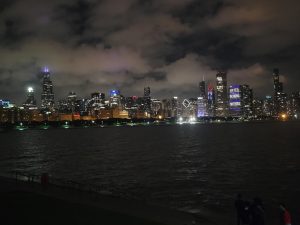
{"type": "Point", "coordinates": [294, 105]}
{"type": "Point", "coordinates": [247, 100]}
{"type": "Point", "coordinates": [175, 109]}
{"type": "Point", "coordinates": [115, 99]}
{"type": "Point", "coordinates": [72, 98]}
{"type": "Point", "coordinates": [147, 99]}
{"type": "Point", "coordinates": [268, 106]}
{"type": "Point", "coordinates": [235, 100]}
{"type": "Point", "coordinates": [221, 96]}
{"type": "Point", "coordinates": [202, 89]}
{"type": "Point", "coordinates": [201, 107]}
{"type": "Point", "coordinates": [211, 100]}
{"type": "Point", "coordinates": [280, 98]}
{"type": "Point", "coordinates": [47, 92]}
{"type": "Point", "coordinates": [202, 100]}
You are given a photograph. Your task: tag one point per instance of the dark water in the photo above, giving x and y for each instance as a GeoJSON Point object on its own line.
{"type": "Point", "coordinates": [196, 168]}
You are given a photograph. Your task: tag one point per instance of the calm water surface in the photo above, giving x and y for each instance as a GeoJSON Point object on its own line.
{"type": "Point", "coordinates": [196, 168]}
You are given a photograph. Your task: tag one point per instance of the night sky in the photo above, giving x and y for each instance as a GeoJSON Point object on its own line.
{"type": "Point", "coordinates": [169, 45]}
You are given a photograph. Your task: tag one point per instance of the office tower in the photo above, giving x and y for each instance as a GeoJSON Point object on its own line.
{"type": "Point", "coordinates": [71, 101]}
{"type": "Point", "coordinates": [167, 107]}
{"type": "Point", "coordinates": [175, 109]}
{"type": "Point", "coordinates": [202, 89]}
{"type": "Point", "coordinates": [247, 100]}
{"type": "Point", "coordinates": [147, 92]}
{"type": "Point", "coordinates": [115, 99]}
{"type": "Point", "coordinates": [201, 107]}
{"type": "Point", "coordinates": [235, 100]}
{"type": "Point", "coordinates": [202, 100]}
{"type": "Point", "coordinates": [221, 95]}
{"type": "Point", "coordinates": [268, 106]}
{"type": "Point", "coordinates": [277, 84]}
{"type": "Point", "coordinates": [280, 98]}
{"type": "Point", "coordinates": [294, 105]}
{"type": "Point", "coordinates": [156, 106]}
{"type": "Point", "coordinates": [47, 92]}
{"type": "Point", "coordinates": [257, 108]}
{"type": "Point", "coordinates": [147, 100]}
{"type": "Point", "coordinates": [30, 102]}
{"type": "Point", "coordinates": [211, 100]}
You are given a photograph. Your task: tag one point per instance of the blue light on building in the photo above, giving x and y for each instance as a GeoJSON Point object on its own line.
{"type": "Point", "coordinates": [235, 103]}
{"type": "Point", "coordinates": [114, 93]}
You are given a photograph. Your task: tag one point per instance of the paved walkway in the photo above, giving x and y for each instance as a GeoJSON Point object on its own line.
{"type": "Point", "coordinates": [29, 203]}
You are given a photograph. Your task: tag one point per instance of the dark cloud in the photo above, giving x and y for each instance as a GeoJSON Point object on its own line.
{"type": "Point", "coordinates": [169, 45]}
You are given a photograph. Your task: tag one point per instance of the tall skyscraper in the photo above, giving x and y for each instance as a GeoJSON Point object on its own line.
{"type": "Point", "coordinates": [72, 98]}
{"type": "Point", "coordinates": [268, 106]}
{"type": "Point", "coordinates": [211, 98]}
{"type": "Point", "coordinates": [202, 100]}
{"type": "Point", "coordinates": [147, 99]}
{"type": "Point", "coordinates": [147, 92]}
{"type": "Point", "coordinates": [115, 99]}
{"type": "Point", "coordinates": [47, 93]}
{"type": "Point", "coordinates": [201, 107]}
{"type": "Point", "coordinates": [202, 89]}
{"type": "Point", "coordinates": [280, 98]}
{"type": "Point", "coordinates": [247, 100]}
{"type": "Point", "coordinates": [221, 96]}
{"type": "Point", "coordinates": [235, 100]}
{"type": "Point", "coordinates": [175, 109]}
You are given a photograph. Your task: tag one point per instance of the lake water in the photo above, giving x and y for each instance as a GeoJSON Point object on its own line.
{"type": "Point", "coordinates": [196, 168]}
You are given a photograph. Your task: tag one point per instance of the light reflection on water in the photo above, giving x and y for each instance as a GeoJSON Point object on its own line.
{"type": "Point", "coordinates": [186, 167]}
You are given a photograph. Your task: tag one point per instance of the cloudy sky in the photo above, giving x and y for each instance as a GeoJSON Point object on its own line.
{"type": "Point", "coordinates": [169, 45]}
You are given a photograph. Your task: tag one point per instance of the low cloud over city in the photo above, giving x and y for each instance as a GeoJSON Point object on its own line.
{"type": "Point", "coordinates": [169, 45]}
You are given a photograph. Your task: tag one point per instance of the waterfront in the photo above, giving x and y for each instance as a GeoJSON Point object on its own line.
{"type": "Point", "coordinates": [196, 168]}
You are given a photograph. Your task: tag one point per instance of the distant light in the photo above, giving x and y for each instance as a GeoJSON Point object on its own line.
{"type": "Point", "coordinates": [283, 116]}
{"type": "Point", "coordinates": [30, 89]}
{"type": "Point", "coordinates": [180, 119]}
{"type": "Point", "coordinates": [46, 69]}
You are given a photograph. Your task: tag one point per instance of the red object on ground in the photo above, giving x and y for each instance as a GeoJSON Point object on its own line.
{"type": "Point", "coordinates": [287, 218]}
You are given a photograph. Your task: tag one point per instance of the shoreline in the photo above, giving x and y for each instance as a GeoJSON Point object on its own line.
{"type": "Point", "coordinates": [120, 123]}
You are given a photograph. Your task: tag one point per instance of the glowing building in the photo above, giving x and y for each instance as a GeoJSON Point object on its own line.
{"type": "Point", "coordinates": [221, 95]}
{"type": "Point", "coordinates": [201, 107]}
{"type": "Point", "coordinates": [147, 100]}
{"type": "Point", "coordinates": [211, 100]}
{"type": "Point", "coordinates": [268, 106]}
{"type": "Point", "coordinates": [235, 100]}
{"type": "Point", "coordinates": [47, 92]}
{"type": "Point", "coordinates": [280, 98]}
{"type": "Point", "coordinates": [115, 99]}
{"type": "Point", "coordinates": [247, 100]}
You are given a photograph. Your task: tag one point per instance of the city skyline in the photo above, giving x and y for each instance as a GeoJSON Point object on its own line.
{"type": "Point", "coordinates": [129, 44]}
{"type": "Point", "coordinates": [200, 91]}
{"type": "Point", "coordinates": [221, 100]}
